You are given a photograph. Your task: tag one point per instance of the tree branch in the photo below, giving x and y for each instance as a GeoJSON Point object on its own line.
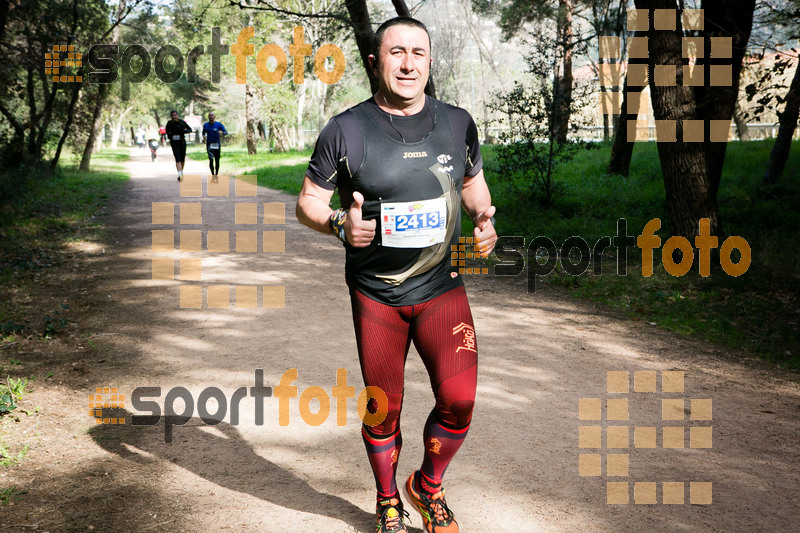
{"type": "Point", "coordinates": [265, 5]}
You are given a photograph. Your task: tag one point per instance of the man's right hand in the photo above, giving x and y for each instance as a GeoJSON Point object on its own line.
{"type": "Point", "coordinates": [359, 232]}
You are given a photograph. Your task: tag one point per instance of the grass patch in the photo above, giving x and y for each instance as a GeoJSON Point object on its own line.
{"type": "Point", "coordinates": [283, 171]}
{"type": "Point", "coordinates": [755, 313]}
{"type": "Point", "coordinates": [62, 208]}
{"type": "Point", "coordinates": [9, 458]}
{"type": "Point", "coordinates": [9, 494]}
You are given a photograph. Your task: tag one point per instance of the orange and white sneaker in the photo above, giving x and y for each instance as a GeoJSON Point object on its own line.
{"type": "Point", "coordinates": [390, 516]}
{"type": "Point", "coordinates": [436, 516]}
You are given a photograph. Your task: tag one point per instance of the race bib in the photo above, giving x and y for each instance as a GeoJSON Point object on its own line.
{"type": "Point", "coordinates": [213, 146]}
{"type": "Point", "coordinates": [414, 224]}
{"type": "Point", "coordinates": [176, 137]}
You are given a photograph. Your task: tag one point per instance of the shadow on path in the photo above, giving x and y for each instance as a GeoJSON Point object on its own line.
{"type": "Point", "coordinates": [215, 457]}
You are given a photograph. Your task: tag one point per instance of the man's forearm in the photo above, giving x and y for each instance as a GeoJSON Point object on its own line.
{"type": "Point", "coordinates": [314, 213]}
{"type": "Point", "coordinates": [475, 196]}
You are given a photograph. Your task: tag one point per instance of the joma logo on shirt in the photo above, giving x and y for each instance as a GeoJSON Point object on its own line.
{"type": "Point", "coordinates": [407, 155]}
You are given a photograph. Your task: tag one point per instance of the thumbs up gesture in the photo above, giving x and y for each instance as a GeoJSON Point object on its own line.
{"type": "Point", "coordinates": [359, 232]}
{"type": "Point", "coordinates": [484, 233]}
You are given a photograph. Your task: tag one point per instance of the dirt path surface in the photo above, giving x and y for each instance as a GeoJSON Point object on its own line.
{"type": "Point", "coordinates": [518, 470]}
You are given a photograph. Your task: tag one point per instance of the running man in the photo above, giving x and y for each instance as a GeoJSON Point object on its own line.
{"type": "Point", "coordinates": [211, 136]}
{"type": "Point", "coordinates": [176, 131]}
{"type": "Point", "coordinates": [405, 164]}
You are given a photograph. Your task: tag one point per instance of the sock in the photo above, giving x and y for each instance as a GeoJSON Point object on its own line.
{"type": "Point", "coordinates": [423, 484]}
{"type": "Point", "coordinates": [381, 498]}
{"type": "Point", "coordinates": [441, 444]}
{"type": "Point", "coordinates": [383, 453]}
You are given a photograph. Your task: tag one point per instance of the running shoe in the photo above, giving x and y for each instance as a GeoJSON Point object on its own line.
{"type": "Point", "coordinates": [179, 178]}
{"type": "Point", "coordinates": [390, 516]}
{"type": "Point", "coordinates": [436, 516]}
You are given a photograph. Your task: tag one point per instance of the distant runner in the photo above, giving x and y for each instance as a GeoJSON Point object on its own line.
{"type": "Point", "coordinates": [152, 141]}
{"type": "Point", "coordinates": [176, 131]}
{"type": "Point", "coordinates": [211, 136]}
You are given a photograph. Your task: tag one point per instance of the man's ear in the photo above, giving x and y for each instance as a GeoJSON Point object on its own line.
{"type": "Point", "coordinates": [373, 61]}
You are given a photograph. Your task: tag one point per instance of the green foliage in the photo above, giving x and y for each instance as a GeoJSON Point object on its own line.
{"type": "Point", "coordinates": [283, 171]}
{"type": "Point", "coordinates": [8, 458]}
{"type": "Point", "coordinates": [10, 392]}
{"type": "Point", "coordinates": [9, 494]}
{"type": "Point", "coordinates": [53, 323]}
{"type": "Point", "coordinates": [59, 208]}
{"type": "Point", "coordinates": [7, 402]}
{"type": "Point", "coordinates": [755, 313]}
{"type": "Point", "coordinates": [530, 151]}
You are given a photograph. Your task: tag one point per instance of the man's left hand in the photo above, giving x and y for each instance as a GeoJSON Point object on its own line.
{"type": "Point", "coordinates": [484, 233]}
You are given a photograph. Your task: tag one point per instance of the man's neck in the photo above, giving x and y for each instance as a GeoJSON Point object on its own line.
{"type": "Point", "coordinates": [398, 108]}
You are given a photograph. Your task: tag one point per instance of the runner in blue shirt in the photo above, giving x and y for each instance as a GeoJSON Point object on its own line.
{"type": "Point", "coordinates": [211, 136]}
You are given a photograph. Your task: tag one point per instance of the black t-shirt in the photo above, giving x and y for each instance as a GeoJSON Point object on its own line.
{"type": "Point", "coordinates": [177, 129]}
{"type": "Point", "coordinates": [339, 151]}
{"type": "Point", "coordinates": [396, 159]}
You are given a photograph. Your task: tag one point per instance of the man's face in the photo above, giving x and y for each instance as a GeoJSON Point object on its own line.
{"type": "Point", "coordinates": [404, 63]}
{"type": "Point", "coordinates": [174, 116]}
{"type": "Point", "coordinates": [211, 117]}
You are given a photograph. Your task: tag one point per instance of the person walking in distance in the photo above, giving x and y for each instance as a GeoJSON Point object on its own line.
{"type": "Point", "coordinates": [176, 133]}
{"type": "Point", "coordinates": [212, 132]}
{"type": "Point", "coordinates": [405, 165]}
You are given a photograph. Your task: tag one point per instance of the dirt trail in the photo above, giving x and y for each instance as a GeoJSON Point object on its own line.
{"type": "Point", "coordinates": [518, 471]}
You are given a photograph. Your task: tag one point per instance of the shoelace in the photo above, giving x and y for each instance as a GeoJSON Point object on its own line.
{"type": "Point", "coordinates": [395, 521]}
{"type": "Point", "coordinates": [441, 513]}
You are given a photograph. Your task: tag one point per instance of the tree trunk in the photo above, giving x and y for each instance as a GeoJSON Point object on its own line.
{"type": "Point", "coordinates": [788, 121]}
{"type": "Point", "coordinates": [723, 18]}
{"type": "Point", "coordinates": [622, 150]}
{"type": "Point", "coordinates": [563, 81]}
{"type": "Point", "coordinates": [250, 118]}
{"type": "Point", "coordinates": [102, 93]}
{"type": "Point", "coordinates": [76, 91]}
{"type": "Point", "coordinates": [359, 17]}
{"type": "Point", "coordinates": [301, 104]}
{"type": "Point", "coordinates": [688, 188]}
{"type": "Point", "coordinates": [692, 170]}
{"type": "Point", "coordinates": [324, 106]}
{"type": "Point", "coordinates": [117, 127]}
{"type": "Point", "coordinates": [280, 136]}
{"type": "Point", "coordinates": [741, 123]}
{"type": "Point", "coordinates": [97, 115]}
